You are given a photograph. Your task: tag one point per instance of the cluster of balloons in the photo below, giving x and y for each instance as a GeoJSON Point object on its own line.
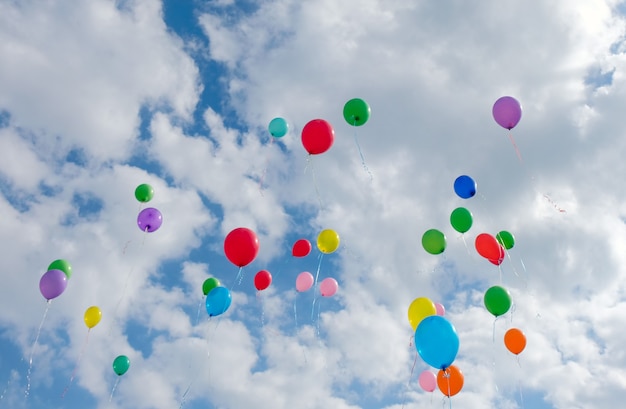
{"type": "Point", "coordinates": [437, 343]}
{"type": "Point", "coordinates": [148, 219]}
{"type": "Point", "coordinates": [54, 281]}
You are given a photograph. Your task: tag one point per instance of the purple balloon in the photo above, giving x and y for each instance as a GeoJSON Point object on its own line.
{"type": "Point", "coordinates": [149, 219]}
{"type": "Point", "coordinates": [52, 284]}
{"type": "Point", "coordinates": [507, 112]}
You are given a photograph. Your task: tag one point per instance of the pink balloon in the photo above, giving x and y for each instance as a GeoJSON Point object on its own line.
{"type": "Point", "coordinates": [328, 287]}
{"type": "Point", "coordinates": [507, 112]}
{"type": "Point", "coordinates": [428, 381]}
{"type": "Point", "coordinates": [304, 281]}
{"type": "Point", "coordinates": [440, 309]}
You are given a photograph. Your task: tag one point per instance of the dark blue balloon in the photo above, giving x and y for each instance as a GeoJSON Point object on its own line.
{"type": "Point", "coordinates": [465, 187]}
{"type": "Point", "coordinates": [217, 301]}
{"type": "Point", "coordinates": [436, 341]}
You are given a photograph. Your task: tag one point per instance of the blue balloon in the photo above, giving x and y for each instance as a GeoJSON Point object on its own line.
{"type": "Point", "coordinates": [465, 187]}
{"type": "Point", "coordinates": [436, 341]}
{"type": "Point", "coordinates": [217, 301]}
{"type": "Point", "coordinates": [278, 127]}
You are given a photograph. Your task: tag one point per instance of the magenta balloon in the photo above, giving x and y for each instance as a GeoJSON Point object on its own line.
{"type": "Point", "coordinates": [328, 287]}
{"type": "Point", "coordinates": [507, 112]}
{"type": "Point", "coordinates": [304, 281]}
{"type": "Point", "coordinates": [149, 219]}
{"type": "Point", "coordinates": [52, 284]}
{"type": "Point", "coordinates": [428, 381]}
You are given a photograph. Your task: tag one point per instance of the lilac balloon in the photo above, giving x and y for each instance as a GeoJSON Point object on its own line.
{"type": "Point", "coordinates": [149, 219]}
{"type": "Point", "coordinates": [507, 112]}
{"type": "Point", "coordinates": [428, 381]}
{"type": "Point", "coordinates": [52, 284]}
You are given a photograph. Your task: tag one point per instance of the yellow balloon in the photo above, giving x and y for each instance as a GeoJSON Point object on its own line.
{"type": "Point", "coordinates": [328, 241]}
{"type": "Point", "coordinates": [93, 315]}
{"type": "Point", "coordinates": [419, 309]}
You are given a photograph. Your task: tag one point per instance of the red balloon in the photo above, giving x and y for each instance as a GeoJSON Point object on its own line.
{"type": "Point", "coordinates": [317, 136]}
{"type": "Point", "coordinates": [301, 248]}
{"type": "Point", "coordinates": [488, 247]}
{"type": "Point", "coordinates": [262, 280]}
{"type": "Point", "coordinates": [500, 259]}
{"type": "Point", "coordinates": [241, 246]}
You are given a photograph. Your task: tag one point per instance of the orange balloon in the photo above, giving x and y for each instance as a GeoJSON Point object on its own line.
{"type": "Point", "coordinates": [515, 340]}
{"type": "Point", "coordinates": [450, 380]}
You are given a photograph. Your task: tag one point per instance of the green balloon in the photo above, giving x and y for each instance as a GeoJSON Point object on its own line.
{"type": "Point", "coordinates": [356, 112]}
{"type": "Point", "coordinates": [144, 193]}
{"type": "Point", "coordinates": [62, 265]}
{"type": "Point", "coordinates": [209, 284]}
{"type": "Point", "coordinates": [461, 219]}
{"type": "Point", "coordinates": [121, 365]}
{"type": "Point", "coordinates": [497, 300]}
{"type": "Point", "coordinates": [278, 127]}
{"type": "Point", "coordinates": [506, 239]}
{"type": "Point", "coordinates": [434, 241]}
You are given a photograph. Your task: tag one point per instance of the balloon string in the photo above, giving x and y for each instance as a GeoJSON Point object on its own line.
{"type": "Point", "coordinates": [408, 383]}
{"type": "Point", "coordinates": [117, 381]}
{"type": "Point", "coordinates": [356, 140]}
{"type": "Point", "coordinates": [309, 161]}
{"type": "Point", "coordinates": [447, 375]}
{"type": "Point", "coordinates": [78, 360]}
{"type": "Point", "coordinates": [317, 323]}
{"type": "Point", "coordinates": [267, 161]}
{"type": "Point", "coordinates": [315, 287]}
{"type": "Point", "coordinates": [239, 277]}
{"type": "Point", "coordinates": [519, 155]}
{"type": "Point", "coordinates": [32, 349]}
{"type": "Point", "coordinates": [295, 313]}
{"type": "Point", "coordinates": [260, 301]}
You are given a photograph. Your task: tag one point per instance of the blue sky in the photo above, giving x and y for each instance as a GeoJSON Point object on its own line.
{"type": "Point", "coordinates": [101, 96]}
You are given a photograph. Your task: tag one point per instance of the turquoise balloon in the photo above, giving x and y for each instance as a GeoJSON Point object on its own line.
{"type": "Point", "coordinates": [278, 127]}
{"type": "Point", "coordinates": [121, 365]}
{"type": "Point", "coordinates": [436, 341]}
{"type": "Point", "coordinates": [218, 301]}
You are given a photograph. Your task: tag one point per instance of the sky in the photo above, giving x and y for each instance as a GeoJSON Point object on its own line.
{"type": "Point", "coordinates": [99, 96]}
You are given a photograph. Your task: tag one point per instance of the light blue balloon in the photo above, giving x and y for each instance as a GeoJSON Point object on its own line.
{"type": "Point", "coordinates": [218, 301]}
{"type": "Point", "coordinates": [436, 341]}
{"type": "Point", "coordinates": [278, 127]}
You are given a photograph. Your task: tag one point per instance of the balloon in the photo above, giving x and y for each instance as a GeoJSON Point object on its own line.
{"type": "Point", "coordinates": [464, 187]}
{"type": "Point", "coordinates": [498, 261]}
{"type": "Point", "coordinates": [218, 301]}
{"type": "Point", "coordinates": [356, 112]}
{"type": "Point", "coordinates": [461, 219]}
{"type": "Point", "coordinates": [450, 380]}
{"type": "Point", "coordinates": [149, 219]}
{"type": "Point", "coordinates": [301, 248]}
{"type": "Point", "coordinates": [92, 317]}
{"type": "Point", "coordinates": [121, 365]}
{"type": "Point", "coordinates": [488, 247]}
{"type": "Point", "coordinates": [441, 311]}
{"type": "Point", "coordinates": [497, 300]}
{"type": "Point", "coordinates": [62, 265]}
{"type": "Point", "coordinates": [434, 241]}
{"type": "Point", "coordinates": [317, 136]}
{"type": "Point", "coordinates": [241, 246]}
{"type": "Point", "coordinates": [278, 127]}
{"type": "Point", "coordinates": [262, 280]}
{"type": "Point", "coordinates": [328, 287]}
{"type": "Point", "coordinates": [52, 284]}
{"type": "Point", "coordinates": [427, 381]}
{"type": "Point", "coordinates": [507, 112]}
{"type": "Point", "coordinates": [419, 309]}
{"type": "Point", "coordinates": [436, 341]}
{"type": "Point", "coordinates": [304, 281]}
{"type": "Point", "coordinates": [506, 239]}
{"type": "Point", "coordinates": [515, 340]}
{"type": "Point", "coordinates": [209, 284]}
{"type": "Point", "coordinates": [327, 241]}
{"type": "Point", "coordinates": [144, 193]}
